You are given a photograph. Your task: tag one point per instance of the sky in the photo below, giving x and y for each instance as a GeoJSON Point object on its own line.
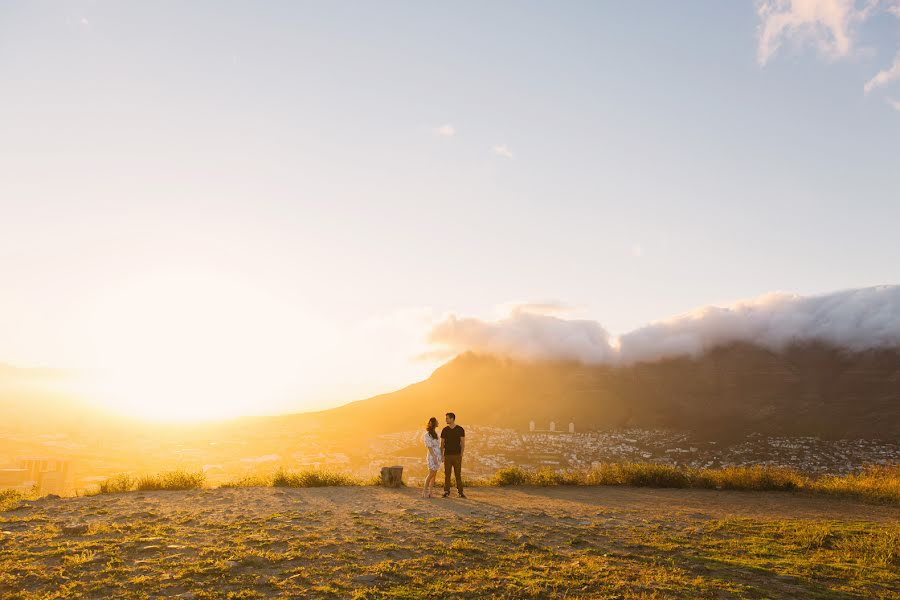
{"type": "Point", "coordinates": [286, 197]}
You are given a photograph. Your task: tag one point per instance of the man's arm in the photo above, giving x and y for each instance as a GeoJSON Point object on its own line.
{"type": "Point", "coordinates": [462, 446]}
{"type": "Point", "coordinates": [442, 446]}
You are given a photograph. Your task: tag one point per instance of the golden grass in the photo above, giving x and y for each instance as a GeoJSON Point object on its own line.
{"type": "Point", "coordinates": [312, 478]}
{"type": "Point", "coordinates": [171, 480]}
{"type": "Point", "coordinates": [875, 483]}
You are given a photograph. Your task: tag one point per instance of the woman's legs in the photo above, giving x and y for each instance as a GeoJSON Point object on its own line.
{"type": "Point", "coordinates": [429, 481]}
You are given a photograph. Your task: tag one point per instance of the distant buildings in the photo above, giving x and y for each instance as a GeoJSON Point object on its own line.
{"type": "Point", "coordinates": [44, 475]}
{"type": "Point", "coordinates": [532, 428]}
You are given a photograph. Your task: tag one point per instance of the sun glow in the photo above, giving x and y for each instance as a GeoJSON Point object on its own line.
{"type": "Point", "coordinates": [181, 348]}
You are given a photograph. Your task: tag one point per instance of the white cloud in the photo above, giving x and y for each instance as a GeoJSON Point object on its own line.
{"type": "Point", "coordinates": [502, 150]}
{"type": "Point", "coordinates": [525, 336]}
{"type": "Point", "coordinates": [894, 103]}
{"type": "Point", "coordinates": [885, 76]}
{"type": "Point", "coordinates": [84, 21]}
{"type": "Point", "coordinates": [446, 130]}
{"type": "Point", "coordinates": [828, 25]}
{"type": "Point", "coordinates": [856, 319]}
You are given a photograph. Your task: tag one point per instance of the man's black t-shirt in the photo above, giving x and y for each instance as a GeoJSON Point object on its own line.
{"type": "Point", "coordinates": [451, 437]}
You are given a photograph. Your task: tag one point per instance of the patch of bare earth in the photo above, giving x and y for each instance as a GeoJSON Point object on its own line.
{"type": "Point", "coordinates": [365, 542]}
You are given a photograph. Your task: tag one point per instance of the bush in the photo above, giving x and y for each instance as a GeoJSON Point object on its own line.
{"type": "Point", "coordinates": [879, 483]}
{"type": "Point", "coordinates": [9, 498]}
{"type": "Point", "coordinates": [312, 478]}
{"type": "Point", "coordinates": [760, 478]}
{"type": "Point", "coordinates": [510, 476]}
{"type": "Point", "coordinates": [248, 481]}
{"type": "Point", "coordinates": [122, 482]}
{"type": "Point", "coordinates": [172, 480]}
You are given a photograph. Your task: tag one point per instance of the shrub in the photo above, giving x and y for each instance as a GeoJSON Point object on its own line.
{"type": "Point", "coordinates": [879, 483]}
{"type": "Point", "coordinates": [122, 482]}
{"type": "Point", "coordinates": [510, 476]}
{"type": "Point", "coordinates": [312, 478]}
{"type": "Point", "coordinates": [9, 498]}
{"type": "Point", "coordinates": [639, 475]}
{"type": "Point", "coordinates": [757, 477]}
{"type": "Point", "coordinates": [248, 481]}
{"type": "Point", "coordinates": [172, 480]}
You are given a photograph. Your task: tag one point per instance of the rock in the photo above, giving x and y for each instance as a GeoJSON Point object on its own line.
{"type": "Point", "coordinates": [50, 497]}
{"type": "Point", "coordinates": [74, 528]}
{"type": "Point", "coordinates": [369, 578]}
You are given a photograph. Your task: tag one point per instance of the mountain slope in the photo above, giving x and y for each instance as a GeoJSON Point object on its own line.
{"type": "Point", "coordinates": [809, 389]}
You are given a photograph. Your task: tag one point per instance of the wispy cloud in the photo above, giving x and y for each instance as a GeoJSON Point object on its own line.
{"type": "Point", "coordinates": [831, 27]}
{"type": "Point", "coordinates": [502, 150]}
{"type": "Point", "coordinates": [894, 103]}
{"type": "Point", "coordinates": [827, 25]}
{"type": "Point", "coordinates": [446, 130]}
{"type": "Point", "coordinates": [885, 76]}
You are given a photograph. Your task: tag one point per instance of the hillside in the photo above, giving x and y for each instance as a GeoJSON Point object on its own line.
{"type": "Point", "coordinates": [364, 542]}
{"type": "Point", "coordinates": [810, 389]}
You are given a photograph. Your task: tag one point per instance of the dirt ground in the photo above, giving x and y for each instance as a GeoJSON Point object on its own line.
{"type": "Point", "coordinates": [368, 542]}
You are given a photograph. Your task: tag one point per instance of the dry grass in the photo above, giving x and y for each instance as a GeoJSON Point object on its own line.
{"type": "Point", "coordinates": [875, 483]}
{"type": "Point", "coordinates": [526, 542]}
{"type": "Point", "coordinates": [880, 484]}
{"type": "Point", "coordinates": [312, 478]}
{"type": "Point", "coordinates": [171, 480]}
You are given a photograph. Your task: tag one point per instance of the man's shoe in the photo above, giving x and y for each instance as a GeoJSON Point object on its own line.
{"type": "Point", "coordinates": [445, 495]}
{"type": "Point", "coordinates": [461, 495]}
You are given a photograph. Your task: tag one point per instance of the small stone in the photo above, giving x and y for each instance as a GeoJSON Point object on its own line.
{"type": "Point", "coordinates": [365, 578]}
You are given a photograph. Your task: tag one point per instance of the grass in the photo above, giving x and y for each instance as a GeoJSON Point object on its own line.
{"type": "Point", "coordinates": [312, 478]}
{"type": "Point", "coordinates": [876, 483]}
{"type": "Point", "coordinates": [401, 547]}
{"type": "Point", "coordinates": [873, 483]}
{"type": "Point", "coordinates": [169, 480]}
{"type": "Point", "coordinates": [10, 498]}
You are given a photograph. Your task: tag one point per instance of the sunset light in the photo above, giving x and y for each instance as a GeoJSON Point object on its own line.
{"type": "Point", "coordinates": [187, 347]}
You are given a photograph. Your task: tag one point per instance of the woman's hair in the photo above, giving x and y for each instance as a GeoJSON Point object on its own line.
{"type": "Point", "coordinates": [431, 426]}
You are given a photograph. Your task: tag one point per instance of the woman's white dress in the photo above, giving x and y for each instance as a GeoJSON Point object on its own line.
{"type": "Point", "coordinates": [434, 451]}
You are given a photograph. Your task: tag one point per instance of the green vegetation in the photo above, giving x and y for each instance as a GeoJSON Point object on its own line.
{"type": "Point", "coordinates": [880, 483]}
{"type": "Point", "coordinates": [874, 484]}
{"type": "Point", "coordinates": [506, 543]}
{"type": "Point", "coordinates": [171, 480]}
{"type": "Point", "coordinates": [122, 482]}
{"type": "Point", "coordinates": [312, 478]}
{"type": "Point", "coordinates": [10, 498]}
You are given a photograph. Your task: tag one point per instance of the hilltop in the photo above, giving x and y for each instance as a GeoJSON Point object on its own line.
{"type": "Point", "coordinates": [365, 542]}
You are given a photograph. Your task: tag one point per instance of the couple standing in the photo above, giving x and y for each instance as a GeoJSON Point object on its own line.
{"type": "Point", "coordinates": [448, 450]}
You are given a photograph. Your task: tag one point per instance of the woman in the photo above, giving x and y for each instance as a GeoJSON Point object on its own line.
{"type": "Point", "coordinates": [433, 446]}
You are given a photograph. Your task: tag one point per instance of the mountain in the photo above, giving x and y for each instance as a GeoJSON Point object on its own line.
{"type": "Point", "coordinates": [807, 389]}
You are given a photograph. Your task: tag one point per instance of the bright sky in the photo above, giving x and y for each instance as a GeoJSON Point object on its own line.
{"type": "Point", "coordinates": [281, 197]}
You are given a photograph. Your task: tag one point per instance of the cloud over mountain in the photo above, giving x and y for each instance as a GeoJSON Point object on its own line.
{"type": "Point", "coordinates": [856, 319]}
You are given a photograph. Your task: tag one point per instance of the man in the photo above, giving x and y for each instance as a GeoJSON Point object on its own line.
{"type": "Point", "coordinates": [453, 444]}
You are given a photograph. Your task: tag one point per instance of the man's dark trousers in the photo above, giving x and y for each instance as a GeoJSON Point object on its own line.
{"type": "Point", "coordinates": [454, 462]}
